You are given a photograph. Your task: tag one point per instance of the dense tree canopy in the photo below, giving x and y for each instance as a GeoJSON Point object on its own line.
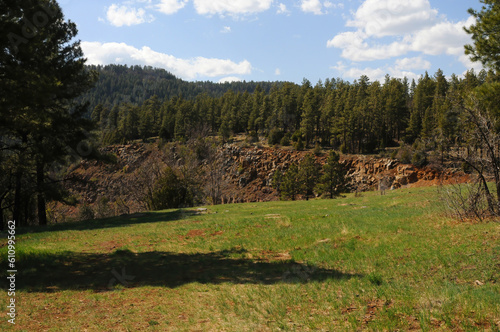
{"type": "Point", "coordinates": [41, 72]}
{"type": "Point", "coordinates": [358, 117]}
{"type": "Point", "coordinates": [485, 34]}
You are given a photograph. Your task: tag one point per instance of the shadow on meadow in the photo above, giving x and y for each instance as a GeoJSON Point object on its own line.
{"type": "Point", "coordinates": [102, 272]}
{"type": "Point", "coordinates": [121, 221]}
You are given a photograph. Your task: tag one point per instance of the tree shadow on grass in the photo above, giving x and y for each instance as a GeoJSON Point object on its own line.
{"type": "Point", "coordinates": [121, 221]}
{"type": "Point", "coordinates": [104, 272]}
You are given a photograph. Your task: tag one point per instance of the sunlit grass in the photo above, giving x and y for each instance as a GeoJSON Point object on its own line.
{"type": "Point", "coordinates": [392, 262]}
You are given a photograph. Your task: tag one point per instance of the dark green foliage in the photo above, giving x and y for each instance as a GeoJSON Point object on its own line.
{"type": "Point", "coordinates": [169, 192]}
{"type": "Point", "coordinates": [308, 175]}
{"type": "Point", "coordinates": [277, 181]}
{"type": "Point", "coordinates": [299, 146]}
{"type": "Point", "coordinates": [485, 34]}
{"type": "Point", "coordinates": [359, 117]}
{"type": "Point", "coordinates": [119, 84]}
{"type": "Point", "coordinates": [285, 141]}
{"type": "Point", "coordinates": [275, 136]}
{"type": "Point", "coordinates": [291, 185]}
{"type": "Point", "coordinates": [42, 71]}
{"type": "Point", "coordinates": [333, 181]}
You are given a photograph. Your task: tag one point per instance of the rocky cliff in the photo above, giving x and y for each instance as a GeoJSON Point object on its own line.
{"type": "Point", "coordinates": [115, 189]}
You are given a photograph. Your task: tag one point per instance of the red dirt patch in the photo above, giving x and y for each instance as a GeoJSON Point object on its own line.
{"type": "Point", "coordinates": [373, 307]}
{"type": "Point", "coordinates": [195, 233]}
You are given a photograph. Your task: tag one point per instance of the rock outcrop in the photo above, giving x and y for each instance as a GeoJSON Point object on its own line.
{"type": "Point", "coordinates": [247, 175]}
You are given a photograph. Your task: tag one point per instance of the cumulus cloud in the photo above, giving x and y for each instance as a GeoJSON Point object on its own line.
{"type": "Point", "coordinates": [412, 25]}
{"type": "Point", "coordinates": [230, 79]}
{"type": "Point", "coordinates": [123, 15]}
{"type": "Point", "coordinates": [317, 7]}
{"type": "Point", "coordinates": [231, 7]}
{"type": "Point", "coordinates": [312, 6]}
{"type": "Point", "coordinates": [393, 17]}
{"type": "Point", "coordinates": [412, 63]}
{"type": "Point", "coordinates": [282, 9]}
{"type": "Point", "coordinates": [108, 53]}
{"type": "Point", "coordinates": [170, 6]}
{"type": "Point", "coordinates": [375, 74]}
{"type": "Point", "coordinates": [226, 30]}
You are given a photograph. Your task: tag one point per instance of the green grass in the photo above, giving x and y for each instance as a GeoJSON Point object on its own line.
{"type": "Point", "coordinates": [392, 262]}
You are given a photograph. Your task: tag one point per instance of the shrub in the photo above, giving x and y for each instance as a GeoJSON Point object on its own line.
{"type": "Point", "coordinates": [253, 137]}
{"type": "Point", "coordinates": [405, 156]}
{"type": "Point", "coordinates": [275, 136]}
{"type": "Point", "coordinates": [85, 212]}
{"type": "Point", "coordinates": [169, 192]}
{"type": "Point", "coordinates": [419, 159]}
{"type": "Point", "coordinates": [296, 136]}
{"type": "Point", "coordinates": [317, 149]}
{"type": "Point", "coordinates": [285, 141]}
{"type": "Point", "coordinates": [299, 146]}
{"type": "Point", "coordinates": [343, 148]}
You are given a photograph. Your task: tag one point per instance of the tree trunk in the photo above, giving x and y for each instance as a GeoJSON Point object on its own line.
{"type": "Point", "coordinates": [16, 215]}
{"type": "Point", "coordinates": [42, 213]}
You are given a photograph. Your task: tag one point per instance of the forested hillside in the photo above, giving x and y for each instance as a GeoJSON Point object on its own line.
{"type": "Point", "coordinates": [122, 84]}
{"type": "Point", "coordinates": [357, 117]}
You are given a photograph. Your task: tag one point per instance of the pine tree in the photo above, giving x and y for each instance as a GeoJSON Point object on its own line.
{"type": "Point", "coordinates": [333, 180]}
{"type": "Point", "coordinates": [41, 71]}
{"type": "Point", "coordinates": [291, 185]}
{"type": "Point", "coordinates": [308, 175]}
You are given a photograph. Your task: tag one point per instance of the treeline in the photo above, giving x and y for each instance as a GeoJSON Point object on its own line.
{"type": "Point", "coordinates": [358, 117]}
{"type": "Point", "coordinates": [119, 84]}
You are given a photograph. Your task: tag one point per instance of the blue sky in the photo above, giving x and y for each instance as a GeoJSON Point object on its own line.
{"type": "Point", "coordinates": [269, 40]}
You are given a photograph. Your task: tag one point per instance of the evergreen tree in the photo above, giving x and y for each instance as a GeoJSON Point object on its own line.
{"type": "Point", "coordinates": [291, 185]}
{"type": "Point", "coordinates": [308, 175]}
{"type": "Point", "coordinates": [41, 71]}
{"type": "Point", "coordinates": [333, 180]}
{"type": "Point", "coordinates": [485, 34]}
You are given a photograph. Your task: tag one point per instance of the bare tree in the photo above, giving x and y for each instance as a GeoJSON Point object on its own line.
{"type": "Point", "coordinates": [480, 138]}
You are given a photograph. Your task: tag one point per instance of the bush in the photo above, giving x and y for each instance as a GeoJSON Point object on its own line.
{"type": "Point", "coordinates": [317, 149]}
{"type": "Point", "coordinates": [169, 192]}
{"type": "Point", "coordinates": [296, 136]}
{"type": "Point", "coordinates": [405, 156]}
{"type": "Point", "coordinates": [343, 148]}
{"type": "Point", "coordinates": [299, 146]}
{"type": "Point", "coordinates": [85, 212]}
{"type": "Point", "coordinates": [285, 141]}
{"type": "Point", "coordinates": [394, 154]}
{"type": "Point", "coordinates": [419, 159]}
{"type": "Point", "coordinates": [253, 137]}
{"type": "Point", "coordinates": [275, 136]}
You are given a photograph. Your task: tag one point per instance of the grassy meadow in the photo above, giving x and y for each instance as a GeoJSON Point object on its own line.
{"type": "Point", "coordinates": [374, 263]}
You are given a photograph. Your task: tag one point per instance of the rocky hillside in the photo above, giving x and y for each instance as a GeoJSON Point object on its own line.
{"type": "Point", "coordinates": [116, 189]}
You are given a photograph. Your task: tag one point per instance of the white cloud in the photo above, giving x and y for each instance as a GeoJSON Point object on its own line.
{"type": "Point", "coordinates": [282, 9]}
{"type": "Point", "coordinates": [277, 72]}
{"type": "Point", "coordinates": [393, 17]}
{"type": "Point", "coordinates": [312, 6]}
{"type": "Point", "coordinates": [466, 61]}
{"type": "Point", "coordinates": [226, 30]}
{"type": "Point", "coordinates": [355, 47]}
{"type": "Point", "coordinates": [443, 38]}
{"type": "Point", "coordinates": [316, 6]}
{"type": "Point", "coordinates": [194, 68]}
{"type": "Point", "coordinates": [230, 79]}
{"type": "Point", "coordinates": [171, 6]}
{"type": "Point", "coordinates": [412, 25]}
{"type": "Point", "coordinates": [231, 7]}
{"type": "Point", "coordinates": [123, 15]}
{"type": "Point", "coordinates": [412, 63]}
{"type": "Point", "coordinates": [375, 74]}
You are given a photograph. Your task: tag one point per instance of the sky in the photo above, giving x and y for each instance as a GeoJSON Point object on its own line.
{"type": "Point", "coordinates": [277, 40]}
